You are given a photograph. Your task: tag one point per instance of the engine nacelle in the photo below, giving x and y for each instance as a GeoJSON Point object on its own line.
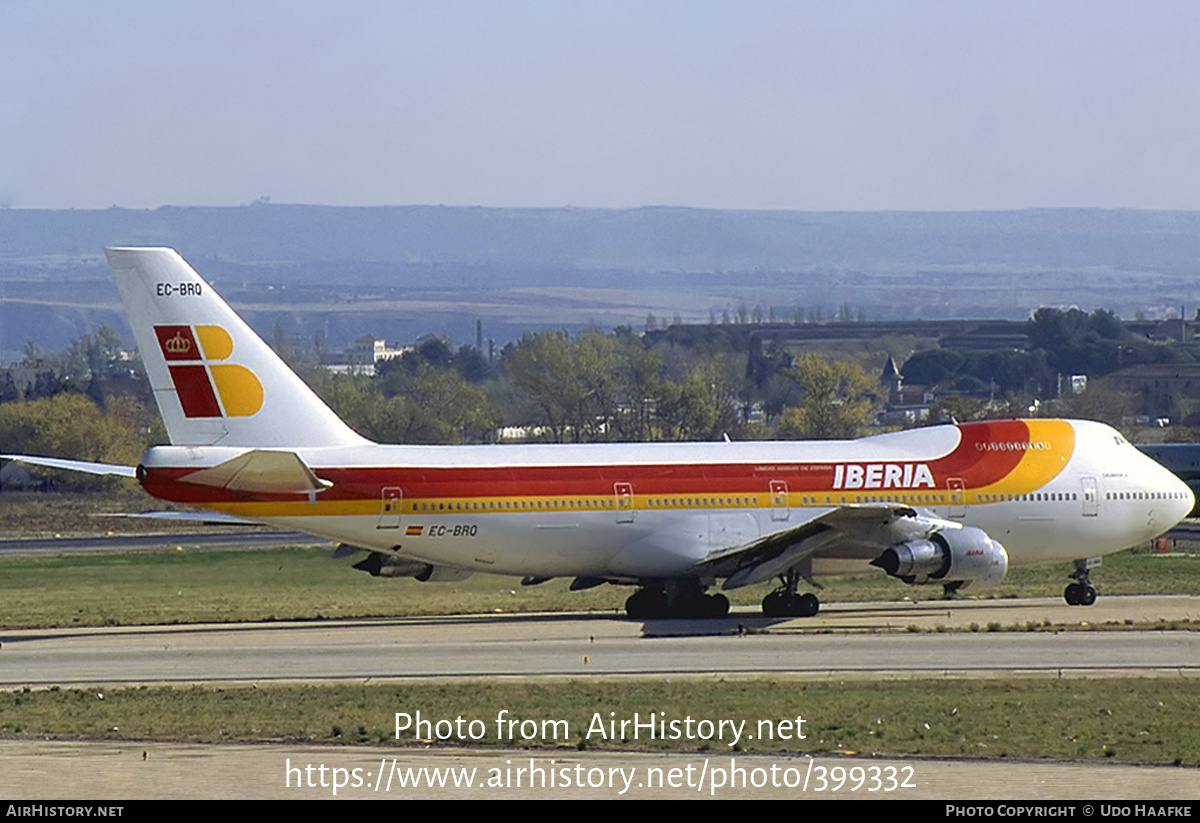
{"type": "Point", "coordinates": [378, 564]}
{"type": "Point", "coordinates": [442, 574]}
{"type": "Point", "coordinates": [965, 555]}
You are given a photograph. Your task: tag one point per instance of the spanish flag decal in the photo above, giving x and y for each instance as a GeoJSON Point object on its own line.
{"type": "Point", "coordinates": [413, 531]}
{"type": "Point", "coordinates": [206, 386]}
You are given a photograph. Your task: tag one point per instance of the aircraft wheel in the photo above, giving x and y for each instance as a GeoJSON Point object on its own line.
{"type": "Point", "coordinates": [1073, 594]}
{"type": "Point", "coordinates": [646, 603]}
{"type": "Point", "coordinates": [1080, 593]}
{"type": "Point", "coordinates": [781, 603]}
{"type": "Point", "coordinates": [699, 606]}
{"type": "Point", "coordinates": [775, 604]}
{"type": "Point", "coordinates": [718, 605]}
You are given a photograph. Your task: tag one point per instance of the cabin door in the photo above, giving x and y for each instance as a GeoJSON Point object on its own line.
{"type": "Point", "coordinates": [624, 496]}
{"type": "Point", "coordinates": [391, 504]}
{"type": "Point", "coordinates": [1091, 496]}
{"type": "Point", "coordinates": [958, 496]}
{"type": "Point", "coordinates": [779, 500]}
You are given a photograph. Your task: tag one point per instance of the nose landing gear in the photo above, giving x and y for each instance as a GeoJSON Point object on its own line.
{"type": "Point", "coordinates": [1080, 593]}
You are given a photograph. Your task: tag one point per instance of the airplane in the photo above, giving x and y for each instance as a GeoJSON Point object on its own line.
{"type": "Point", "coordinates": [949, 505]}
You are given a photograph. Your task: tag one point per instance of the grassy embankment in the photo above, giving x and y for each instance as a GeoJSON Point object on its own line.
{"type": "Point", "coordinates": [186, 586]}
{"type": "Point", "coordinates": [1131, 721]}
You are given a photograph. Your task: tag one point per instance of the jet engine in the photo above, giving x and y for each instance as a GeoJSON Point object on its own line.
{"type": "Point", "coordinates": [964, 555]}
{"type": "Point", "coordinates": [442, 574]}
{"type": "Point", "coordinates": [378, 564]}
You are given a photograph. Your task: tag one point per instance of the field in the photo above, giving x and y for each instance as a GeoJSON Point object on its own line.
{"type": "Point", "coordinates": [1120, 720]}
{"type": "Point", "coordinates": [185, 586]}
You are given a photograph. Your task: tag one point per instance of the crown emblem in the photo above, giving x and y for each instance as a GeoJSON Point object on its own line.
{"type": "Point", "coordinates": [178, 344]}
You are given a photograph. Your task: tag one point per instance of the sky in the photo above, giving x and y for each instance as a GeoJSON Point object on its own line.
{"type": "Point", "coordinates": [848, 105]}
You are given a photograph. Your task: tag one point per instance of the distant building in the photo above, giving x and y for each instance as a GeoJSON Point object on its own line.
{"type": "Point", "coordinates": [903, 405]}
{"type": "Point", "coordinates": [1161, 388]}
{"type": "Point", "coordinates": [362, 357]}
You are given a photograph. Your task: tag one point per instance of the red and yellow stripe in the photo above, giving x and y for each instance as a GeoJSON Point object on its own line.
{"type": "Point", "coordinates": [1011, 457]}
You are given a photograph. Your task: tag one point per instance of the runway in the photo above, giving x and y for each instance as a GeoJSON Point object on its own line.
{"type": "Point", "coordinates": [861, 640]}
{"type": "Point", "coordinates": [123, 543]}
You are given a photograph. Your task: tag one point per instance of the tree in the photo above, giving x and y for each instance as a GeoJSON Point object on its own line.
{"type": "Point", "coordinates": [540, 370]}
{"type": "Point", "coordinates": [641, 379]}
{"type": "Point", "coordinates": [836, 401]}
{"type": "Point", "coordinates": [9, 393]}
{"type": "Point", "coordinates": [954, 408]}
{"type": "Point", "coordinates": [70, 425]}
{"type": "Point", "coordinates": [1098, 401]}
{"type": "Point", "coordinates": [471, 363]}
{"type": "Point", "coordinates": [32, 353]}
{"type": "Point", "coordinates": [1078, 343]}
{"type": "Point", "coordinates": [703, 405]}
{"type": "Point", "coordinates": [442, 408]}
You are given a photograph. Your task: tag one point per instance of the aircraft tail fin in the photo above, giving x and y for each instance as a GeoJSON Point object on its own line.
{"type": "Point", "coordinates": [215, 380]}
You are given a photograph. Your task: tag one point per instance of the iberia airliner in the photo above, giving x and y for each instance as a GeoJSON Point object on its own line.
{"type": "Point", "coordinates": [949, 505]}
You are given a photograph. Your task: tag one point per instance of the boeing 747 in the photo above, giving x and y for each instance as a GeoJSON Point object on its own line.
{"type": "Point", "coordinates": [950, 505]}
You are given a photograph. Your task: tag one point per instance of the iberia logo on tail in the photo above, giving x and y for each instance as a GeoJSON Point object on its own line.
{"type": "Point", "coordinates": [194, 356]}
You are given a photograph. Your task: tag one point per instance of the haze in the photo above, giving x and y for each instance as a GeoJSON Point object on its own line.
{"type": "Point", "coordinates": [811, 106]}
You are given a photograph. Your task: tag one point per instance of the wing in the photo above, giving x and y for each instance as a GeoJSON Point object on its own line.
{"type": "Point", "coordinates": [859, 531]}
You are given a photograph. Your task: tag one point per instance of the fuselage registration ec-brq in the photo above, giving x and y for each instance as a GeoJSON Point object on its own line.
{"type": "Point", "coordinates": [952, 505]}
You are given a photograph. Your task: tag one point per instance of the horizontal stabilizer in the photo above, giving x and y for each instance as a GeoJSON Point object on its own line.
{"type": "Point", "coordinates": [204, 518]}
{"type": "Point", "coordinates": [261, 471]}
{"type": "Point", "coordinates": [74, 465]}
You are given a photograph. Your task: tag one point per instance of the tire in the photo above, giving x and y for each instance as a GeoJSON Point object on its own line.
{"type": "Point", "coordinates": [809, 605]}
{"type": "Point", "coordinates": [1073, 594]}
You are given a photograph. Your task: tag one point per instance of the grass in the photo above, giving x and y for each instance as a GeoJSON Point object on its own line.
{"type": "Point", "coordinates": [303, 583]}
{"type": "Point", "coordinates": [1148, 721]}
{"type": "Point", "coordinates": [85, 514]}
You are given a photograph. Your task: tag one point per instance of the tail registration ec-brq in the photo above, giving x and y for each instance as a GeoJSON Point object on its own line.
{"type": "Point", "coordinates": [215, 380]}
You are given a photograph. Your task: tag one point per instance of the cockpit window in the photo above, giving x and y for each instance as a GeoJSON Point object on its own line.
{"type": "Point", "coordinates": [1120, 441]}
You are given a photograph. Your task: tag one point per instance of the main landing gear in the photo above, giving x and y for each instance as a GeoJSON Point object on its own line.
{"type": "Point", "coordinates": [675, 598]}
{"type": "Point", "coordinates": [1080, 593]}
{"type": "Point", "coordinates": [785, 602]}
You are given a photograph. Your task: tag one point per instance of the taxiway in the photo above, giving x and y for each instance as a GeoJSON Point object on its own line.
{"type": "Point", "coordinates": [964, 638]}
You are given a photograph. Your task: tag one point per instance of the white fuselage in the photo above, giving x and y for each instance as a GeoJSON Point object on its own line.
{"type": "Point", "coordinates": [656, 510]}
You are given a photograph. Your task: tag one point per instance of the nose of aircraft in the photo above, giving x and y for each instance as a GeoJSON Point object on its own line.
{"type": "Point", "coordinates": [1187, 498]}
{"type": "Point", "coordinates": [1180, 498]}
